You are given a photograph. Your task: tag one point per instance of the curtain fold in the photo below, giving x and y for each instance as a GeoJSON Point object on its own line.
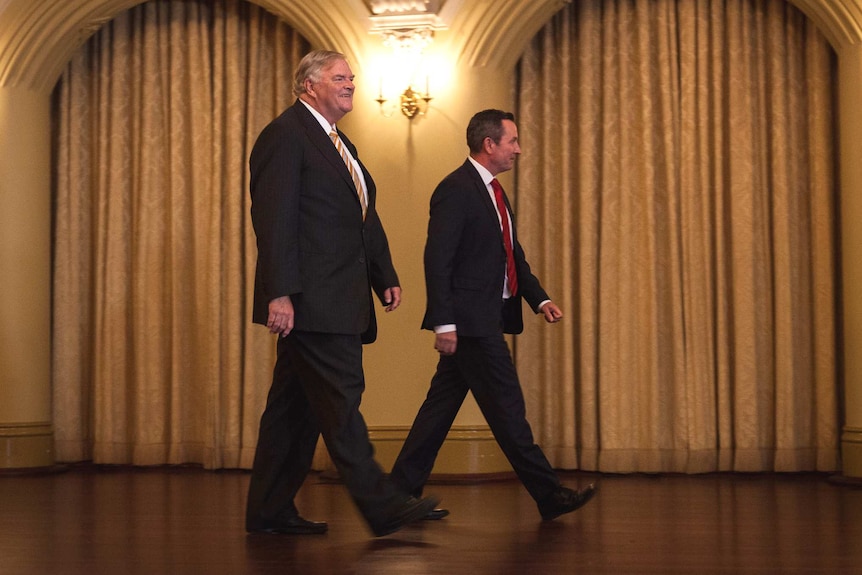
{"type": "Point", "coordinates": [677, 196]}
{"type": "Point", "coordinates": [155, 358]}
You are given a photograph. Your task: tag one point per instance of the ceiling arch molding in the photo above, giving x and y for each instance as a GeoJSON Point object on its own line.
{"type": "Point", "coordinates": [38, 37]}
{"type": "Point", "coordinates": [497, 34]}
{"type": "Point", "coordinates": [840, 21]}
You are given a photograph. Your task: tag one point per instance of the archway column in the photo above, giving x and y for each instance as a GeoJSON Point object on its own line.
{"type": "Point", "coordinates": [26, 433]}
{"type": "Point", "coordinates": [850, 116]}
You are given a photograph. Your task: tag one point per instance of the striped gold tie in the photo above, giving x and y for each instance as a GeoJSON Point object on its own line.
{"type": "Point", "coordinates": [356, 181]}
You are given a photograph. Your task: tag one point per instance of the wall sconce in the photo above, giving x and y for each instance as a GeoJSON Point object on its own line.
{"type": "Point", "coordinates": [413, 103]}
{"type": "Point", "coordinates": [407, 45]}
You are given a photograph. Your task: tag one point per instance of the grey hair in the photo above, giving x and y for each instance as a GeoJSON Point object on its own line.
{"type": "Point", "coordinates": [310, 67]}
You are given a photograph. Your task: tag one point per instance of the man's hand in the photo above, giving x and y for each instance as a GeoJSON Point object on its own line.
{"type": "Point", "coordinates": [280, 319]}
{"type": "Point", "coordinates": [552, 313]}
{"type": "Point", "coordinates": [392, 298]}
{"type": "Point", "coordinates": [446, 342]}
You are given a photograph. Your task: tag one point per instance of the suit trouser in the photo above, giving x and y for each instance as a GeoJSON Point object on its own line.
{"type": "Point", "coordinates": [316, 389]}
{"type": "Point", "coordinates": [482, 365]}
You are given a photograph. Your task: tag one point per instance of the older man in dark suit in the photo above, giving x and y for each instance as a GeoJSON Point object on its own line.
{"type": "Point", "coordinates": [476, 276]}
{"type": "Point", "coordinates": [321, 251]}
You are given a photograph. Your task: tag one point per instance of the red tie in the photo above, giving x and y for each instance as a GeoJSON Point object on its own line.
{"type": "Point", "coordinates": [511, 274]}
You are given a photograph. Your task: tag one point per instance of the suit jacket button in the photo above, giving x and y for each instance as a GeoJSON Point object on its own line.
{"type": "Point", "coordinates": [362, 260]}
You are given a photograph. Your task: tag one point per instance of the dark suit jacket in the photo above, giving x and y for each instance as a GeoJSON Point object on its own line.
{"type": "Point", "coordinates": [312, 242]}
{"type": "Point", "coordinates": [465, 261]}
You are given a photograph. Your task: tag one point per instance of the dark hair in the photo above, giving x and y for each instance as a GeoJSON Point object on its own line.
{"type": "Point", "coordinates": [311, 65]}
{"type": "Point", "coordinates": [486, 124]}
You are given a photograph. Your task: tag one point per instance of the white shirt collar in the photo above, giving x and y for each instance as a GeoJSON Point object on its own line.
{"type": "Point", "coordinates": [324, 123]}
{"type": "Point", "coordinates": [483, 171]}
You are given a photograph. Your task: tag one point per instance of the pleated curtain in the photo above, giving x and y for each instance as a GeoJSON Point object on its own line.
{"type": "Point", "coordinates": [677, 193]}
{"type": "Point", "coordinates": [154, 357]}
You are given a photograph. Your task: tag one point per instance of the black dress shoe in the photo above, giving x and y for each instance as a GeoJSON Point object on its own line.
{"type": "Point", "coordinates": [565, 500]}
{"type": "Point", "coordinates": [436, 514]}
{"type": "Point", "coordinates": [410, 510]}
{"type": "Point", "coordinates": [293, 526]}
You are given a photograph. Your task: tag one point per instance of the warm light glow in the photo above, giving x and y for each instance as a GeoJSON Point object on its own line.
{"type": "Point", "coordinates": [406, 75]}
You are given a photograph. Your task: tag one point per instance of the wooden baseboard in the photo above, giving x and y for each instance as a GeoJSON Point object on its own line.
{"type": "Point", "coordinates": [26, 446]}
{"type": "Point", "coordinates": [468, 451]}
{"type": "Point", "coordinates": [851, 452]}
{"type": "Point", "coordinates": [468, 454]}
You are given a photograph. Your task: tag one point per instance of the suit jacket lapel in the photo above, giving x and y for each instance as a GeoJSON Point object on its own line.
{"type": "Point", "coordinates": [489, 204]}
{"type": "Point", "coordinates": [323, 142]}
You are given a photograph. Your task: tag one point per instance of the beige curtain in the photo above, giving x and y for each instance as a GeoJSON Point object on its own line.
{"type": "Point", "coordinates": [677, 195]}
{"type": "Point", "coordinates": [155, 359]}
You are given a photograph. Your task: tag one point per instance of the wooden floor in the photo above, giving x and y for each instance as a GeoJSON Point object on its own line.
{"type": "Point", "coordinates": [188, 521]}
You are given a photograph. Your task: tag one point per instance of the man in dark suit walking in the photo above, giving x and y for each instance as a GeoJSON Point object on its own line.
{"type": "Point", "coordinates": [476, 276]}
{"type": "Point", "coordinates": [321, 251]}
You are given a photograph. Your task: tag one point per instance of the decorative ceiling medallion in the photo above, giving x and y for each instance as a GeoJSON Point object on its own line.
{"type": "Point", "coordinates": [398, 15]}
{"type": "Point", "coordinates": [383, 7]}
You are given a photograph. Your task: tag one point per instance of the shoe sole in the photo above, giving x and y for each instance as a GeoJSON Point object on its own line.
{"type": "Point", "coordinates": [290, 531]}
{"type": "Point", "coordinates": [436, 514]}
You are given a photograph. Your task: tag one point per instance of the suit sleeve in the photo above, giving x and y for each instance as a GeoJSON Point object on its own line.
{"type": "Point", "coordinates": [445, 230]}
{"type": "Point", "coordinates": [275, 164]}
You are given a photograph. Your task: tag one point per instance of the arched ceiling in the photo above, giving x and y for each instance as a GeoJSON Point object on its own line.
{"type": "Point", "coordinates": [839, 20]}
{"type": "Point", "coordinates": [38, 37]}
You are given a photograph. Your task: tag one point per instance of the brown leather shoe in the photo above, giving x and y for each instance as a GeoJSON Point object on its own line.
{"type": "Point", "coordinates": [565, 500]}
